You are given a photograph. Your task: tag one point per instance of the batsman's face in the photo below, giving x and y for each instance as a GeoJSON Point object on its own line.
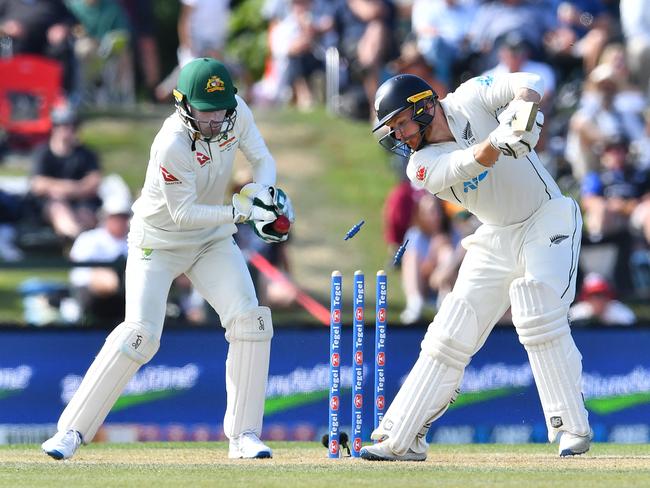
{"type": "Point", "coordinates": [404, 129]}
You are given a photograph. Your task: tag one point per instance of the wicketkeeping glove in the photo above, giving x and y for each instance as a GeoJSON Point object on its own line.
{"type": "Point", "coordinates": [244, 207]}
{"type": "Point", "coordinates": [516, 143]}
{"type": "Point", "coordinates": [279, 203]}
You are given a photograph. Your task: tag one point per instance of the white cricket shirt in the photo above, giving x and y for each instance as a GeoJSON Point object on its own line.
{"type": "Point", "coordinates": [509, 192]}
{"type": "Point", "coordinates": [182, 200]}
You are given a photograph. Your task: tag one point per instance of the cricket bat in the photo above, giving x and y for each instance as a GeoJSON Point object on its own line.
{"type": "Point", "coordinates": [525, 117]}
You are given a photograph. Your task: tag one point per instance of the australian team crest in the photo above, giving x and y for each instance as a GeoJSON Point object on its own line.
{"type": "Point", "coordinates": [214, 84]}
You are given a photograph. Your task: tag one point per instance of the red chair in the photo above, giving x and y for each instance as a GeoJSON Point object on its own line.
{"type": "Point", "coordinates": [29, 86]}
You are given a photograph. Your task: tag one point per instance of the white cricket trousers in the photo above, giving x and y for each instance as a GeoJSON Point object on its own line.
{"type": "Point", "coordinates": [544, 248]}
{"type": "Point", "coordinates": [217, 270]}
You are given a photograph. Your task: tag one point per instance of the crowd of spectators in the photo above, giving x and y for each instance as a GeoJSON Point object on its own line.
{"type": "Point", "coordinates": [594, 57]}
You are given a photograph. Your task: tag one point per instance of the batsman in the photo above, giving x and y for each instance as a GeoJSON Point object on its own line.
{"type": "Point", "coordinates": [475, 148]}
{"type": "Point", "coordinates": [181, 225]}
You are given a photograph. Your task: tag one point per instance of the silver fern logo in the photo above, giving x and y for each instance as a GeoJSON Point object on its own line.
{"type": "Point", "coordinates": [468, 135]}
{"type": "Point", "coordinates": [557, 239]}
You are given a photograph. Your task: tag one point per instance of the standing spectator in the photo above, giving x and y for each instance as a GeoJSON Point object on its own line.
{"type": "Point", "coordinates": [146, 57]}
{"type": "Point", "coordinates": [102, 46]}
{"type": "Point", "coordinates": [202, 32]}
{"type": "Point", "coordinates": [597, 303]}
{"type": "Point", "coordinates": [100, 290]}
{"type": "Point", "coordinates": [294, 42]}
{"type": "Point", "coordinates": [640, 147]}
{"type": "Point", "coordinates": [66, 178]}
{"type": "Point", "coordinates": [441, 28]}
{"type": "Point", "coordinates": [635, 20]}
{"type": "Point", "coordinates": [364, 30]}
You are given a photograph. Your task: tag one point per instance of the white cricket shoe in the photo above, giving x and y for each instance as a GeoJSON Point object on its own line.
{"type": "Point", "coordinates": [573, 445]}
{"type": "Point", "coordinates": [248, 446]}
{"type": "Point", "coordinates": [381, 452]}
{"type": "Point", "coordinates": [62, 445]}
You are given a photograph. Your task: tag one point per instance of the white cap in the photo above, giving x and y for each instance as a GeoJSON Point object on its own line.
{"type": "Point", "coordinates": [116, 206]}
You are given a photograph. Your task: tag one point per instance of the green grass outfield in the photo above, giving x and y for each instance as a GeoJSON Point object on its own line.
{"type": "Point", "coordinates": [306, 464]}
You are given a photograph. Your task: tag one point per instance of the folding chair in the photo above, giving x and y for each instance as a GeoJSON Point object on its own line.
{"type": "Point", "coordinates": [29, 87]}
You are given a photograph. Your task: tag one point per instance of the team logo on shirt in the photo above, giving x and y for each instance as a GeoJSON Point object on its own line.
{"type": "Point", "coordinates": [214, 84]}
{"type": "Point", "coordinates": [202, 159]}
{"type": "Point", "coordinates": [421, 173]}
{"type": "Point", "coordinates": [486, 80]}
{"type": "Point", "coordinates": [468, 134]}
{"type": "Point", "coordinates": [557, 239]}
{"type": "Point", "coordinates": [227, 144]}
{"type": "Point", "coordinates": [169, 178]}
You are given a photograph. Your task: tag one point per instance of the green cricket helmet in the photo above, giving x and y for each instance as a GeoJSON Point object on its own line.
{"type": "Point", "coordinates": [204, 84]}
{"type": "Point", "coordinates": [399, 93]}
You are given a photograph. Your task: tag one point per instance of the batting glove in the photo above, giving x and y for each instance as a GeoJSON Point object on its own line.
{"type": "Point", "coordinates": [516, 144]}
{"type": "Point", "coordinates": [510, 111]}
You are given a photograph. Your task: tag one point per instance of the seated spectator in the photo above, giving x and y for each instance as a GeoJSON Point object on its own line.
{"type": "Point", "coordinates": [441, 29]}
{"type": "Point", "coordinates": [66, 178]}
{"type": "Point", "coordinates": [597, 120]}
{"type": "Point", "coordinates": [103, 50]}
{"type": "Point", "coordinates": [609, 199]}
{"type": "Point", "coordinates": [610, 196]}
{"type": "Point", "coordinates": [597, 303]}
{"type": "Point", "coordinates": [100, 290]}
{"type": "Point", "coordinates": [514, 56]}
{"type": "Point", "coordinates": [583, 29]}
{"type": "Point", "coordinates": [429, 245]}
{"type": "Point", "coordinates": [494, 20]}
{"type": "Point", "coordinates": [397, 214]}
{"type": "Point", "coordinates": [630, 101]}
{"type": "Point", "coordinates": [411, 61]}
{"type": "Point", "coordinates": [443, 277]}
{"type": "Point", "coordinates": [185, 304]}
{"type": "Point", "coordinates": [10, 213]}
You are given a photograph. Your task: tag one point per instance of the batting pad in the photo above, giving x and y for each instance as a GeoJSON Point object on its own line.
{"type": "Point", "coordinates": [447, 348]}
{"type": "Point", "coordinates": [247, 369]}
{"type": "Point", "coordinates": [540, 318]}
{"type": "Point", "coordinates": [127, 348]}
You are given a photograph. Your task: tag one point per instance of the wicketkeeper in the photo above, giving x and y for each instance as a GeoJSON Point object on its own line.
{"type": "Point", "coordinates": [475, 148]}
{"type": "Point", "coordinates": [180, 225]}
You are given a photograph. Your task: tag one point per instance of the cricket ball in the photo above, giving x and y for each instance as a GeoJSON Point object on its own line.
{"type": "Point", "coordinates": [282, 224]}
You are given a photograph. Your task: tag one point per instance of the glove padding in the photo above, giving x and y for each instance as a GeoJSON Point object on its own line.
{"type": "Point", "coordinates": [245, 209]}
{"type": "Point", "coordinates": [267, 204]}
{"type": "Point", "coordinates": [279, 203]}
{"type": "Point", "coordinates": [513, 143]}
